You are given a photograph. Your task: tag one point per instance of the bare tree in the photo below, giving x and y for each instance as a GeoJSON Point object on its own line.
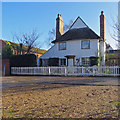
{"type": "Point", "coordinates": [30, 40]}
{"type": "Point", "coordinates": [52, 33]}
{"type": "Point", "coordinates": [67, 26]}
{"type": "Point", "coordinates": [116, 32]}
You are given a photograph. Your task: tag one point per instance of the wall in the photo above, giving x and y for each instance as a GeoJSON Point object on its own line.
{"type": "Point", "coordinates": [102, 51]}
{"type": "Point", "coordinates": [5, 66]}
{"type": "Point", "coordinates": [73, 48]}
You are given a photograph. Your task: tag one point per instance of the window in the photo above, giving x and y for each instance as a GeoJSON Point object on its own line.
{"type": "Point", "coordinates": [85, 61]}
{"type": "Point", "coordinates": [62, 62]}
{"type": "Point", "coordinates": [62, 46]}
{"type": "Point", "coordinates": [85, 44]}
{"type": "Point", "coordinates": [44, 62]}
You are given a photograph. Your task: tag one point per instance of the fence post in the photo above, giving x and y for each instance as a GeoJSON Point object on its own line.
{"type": "Point", "coordinates": [65, 71]}
{"type": "Point", "coordinates": [82, 70]}
{"type": "Point", "coordinates": [49, 70]}
{"type": "Point", "coordinates": [93, 71]}
{"type": "Point", "coordinates": [114, 70]}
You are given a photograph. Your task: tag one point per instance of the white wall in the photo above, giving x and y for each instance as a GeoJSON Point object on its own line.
{"type": "Point", "coordinates": [102, 51]}
{"type": "Point", "coordinates": [73, 48]}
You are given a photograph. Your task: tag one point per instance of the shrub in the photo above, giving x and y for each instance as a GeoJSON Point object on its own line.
{"type": "Point", "coordinates": [40, 62]}
{"type": "Point", "coordinates": [53, 62]}
{"type": "Point", "coordinates": [93, 61]}
{"type": "Point", "coordinates": [27, 60]}
{"type": "Point", "coordinates": [7, 51]}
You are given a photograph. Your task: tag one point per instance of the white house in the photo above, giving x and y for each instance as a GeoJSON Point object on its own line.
{"type": "Point", "coordinates": [77, 45]}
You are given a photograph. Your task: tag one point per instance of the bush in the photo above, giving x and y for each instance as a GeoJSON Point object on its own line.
{"type": "Point", "coordinates": [40, 62]}
{"type": "Point", "coordinates": [93, 61]}
{"type": "Point", "coordinates": [53, 62]}
{"type": "Point", "coordinates": [27, 60]}
{"type": "Point", "coordinates": [7, 51]}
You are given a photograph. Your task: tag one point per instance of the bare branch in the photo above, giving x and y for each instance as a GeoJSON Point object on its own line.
{"type": "Point", "coordinates": [52, 33]}
{"type": "Point", "coordinates": [30, 40]}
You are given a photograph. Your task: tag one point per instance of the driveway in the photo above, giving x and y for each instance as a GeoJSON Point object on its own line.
{"type": "Point", "coordinates": [13, 81]}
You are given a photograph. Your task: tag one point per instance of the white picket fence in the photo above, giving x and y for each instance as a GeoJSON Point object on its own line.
{"type": "Point", "coordinates": [78, 71]}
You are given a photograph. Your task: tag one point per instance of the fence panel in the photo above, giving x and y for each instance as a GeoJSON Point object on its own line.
{"type": "Point", "coordinates": [90, 71]}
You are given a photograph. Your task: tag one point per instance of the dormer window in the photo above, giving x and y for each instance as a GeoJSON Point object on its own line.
{"type": "Point", "coordinates": [62, 46]}
{"type": "Point", "coordinates": [85, 44]}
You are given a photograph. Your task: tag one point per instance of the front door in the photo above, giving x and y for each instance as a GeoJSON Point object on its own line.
{"type": "Point", "coordinates": [70, 62]}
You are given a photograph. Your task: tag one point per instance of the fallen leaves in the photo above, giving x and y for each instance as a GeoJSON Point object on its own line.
{"type": "Point", "coordinates": [65, 102]}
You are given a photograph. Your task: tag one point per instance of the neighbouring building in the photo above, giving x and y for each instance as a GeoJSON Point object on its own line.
{"type": "Point", "coordinates": [77, 45]}
{"type": "Point", "coordinates": [17, 49]}
{"type": "Point", "coordinates": [113, 58]}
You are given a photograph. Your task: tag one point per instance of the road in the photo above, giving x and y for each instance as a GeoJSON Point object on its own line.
{"type": "Point", "coordinates": [13, 81]}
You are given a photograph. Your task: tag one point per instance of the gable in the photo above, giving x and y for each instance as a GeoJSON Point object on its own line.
{"type": "Point", "coordinates": [79, 23]}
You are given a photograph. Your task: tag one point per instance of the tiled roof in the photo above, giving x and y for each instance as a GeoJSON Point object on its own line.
{"type": "Point", "coordinates": [77, 34]}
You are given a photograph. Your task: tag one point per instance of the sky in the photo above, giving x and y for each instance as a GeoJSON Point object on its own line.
{"type": "Point", "coordinates": [23, 17]}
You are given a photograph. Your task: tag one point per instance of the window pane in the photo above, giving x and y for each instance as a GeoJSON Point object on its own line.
{"type": "Point", "coordinates": [85, 61]}
{"type": "Point", "coordinates": [85, 44]}
{"type": "Point", "coordinates": [62, 62]}
{"type": "Point", "coordinates": [62, 46]}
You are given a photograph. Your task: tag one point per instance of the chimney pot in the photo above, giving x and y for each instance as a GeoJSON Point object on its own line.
{"type": "Point", "coordinates": [102, 12]}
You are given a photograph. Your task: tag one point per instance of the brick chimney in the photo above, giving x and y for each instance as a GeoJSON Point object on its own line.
{"type": "Point", "coordinates": [59, 26]}
{"type": "Point", "coordinates": [102, 26]}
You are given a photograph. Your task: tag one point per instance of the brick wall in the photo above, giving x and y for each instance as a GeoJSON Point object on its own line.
{"type": "Point", "coordinates": [5, 66]}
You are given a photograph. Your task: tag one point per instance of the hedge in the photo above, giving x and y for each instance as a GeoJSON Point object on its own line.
{"type": "Point", "coordinates": [27, 60]}
{"type": "Point", "coordinates": [40, 62]}
{"type": "Point", "coordinates": [93, 61]}
{"type": "Point", "coordinates": [53, 62]}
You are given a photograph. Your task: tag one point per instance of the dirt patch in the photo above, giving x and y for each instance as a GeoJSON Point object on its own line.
{"type": "Point", "coordinates": [60, 101]}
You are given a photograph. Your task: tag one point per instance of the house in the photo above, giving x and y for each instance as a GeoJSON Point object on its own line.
{"type": "Point", "coordinates": [76, 46]}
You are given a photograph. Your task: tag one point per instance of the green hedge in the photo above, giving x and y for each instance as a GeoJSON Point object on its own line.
{"type": "Point", "coordinates": [27, 60]}
{"type": "Point", "coordinates": [93, 61]}
{"type": "Point", "coordinates": [53, 62]}
{"type": "Point", "coordinates": [7, 51]}
{"type": "Point", "coordinates": [40, 62]}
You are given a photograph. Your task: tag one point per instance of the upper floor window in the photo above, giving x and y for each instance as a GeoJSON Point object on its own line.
{"type": "Point", "coordinates": [62, 46]}
{"type": "Point", "coordinates": [85, 44]}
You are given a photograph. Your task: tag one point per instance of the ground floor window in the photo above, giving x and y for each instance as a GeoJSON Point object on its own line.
{"type": "Point", "coordinates": [85, 61]}
{"type": "Point", "coordinates": [62, 62]}
{"type": "Point", "coordinates": [45, 62]}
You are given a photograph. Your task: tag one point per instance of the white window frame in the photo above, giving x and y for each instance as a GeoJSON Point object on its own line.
{"type": "Point", "coordinates": [86, 61]}
{"type": "Point", "coordinates": [82, 42]}
{"type": "Point", "coordinates": [61, 60]}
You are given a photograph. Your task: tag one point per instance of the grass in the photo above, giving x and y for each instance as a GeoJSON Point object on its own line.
{"type": "Point", "coordinates": [116, 104]}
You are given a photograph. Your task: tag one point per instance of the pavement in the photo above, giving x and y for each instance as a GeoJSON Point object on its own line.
{"type": "Point", "coordinates": [14, 81]}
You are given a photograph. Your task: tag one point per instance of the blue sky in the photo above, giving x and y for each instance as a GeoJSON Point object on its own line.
{"type": "Point", "coordinates": [19, 17]}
